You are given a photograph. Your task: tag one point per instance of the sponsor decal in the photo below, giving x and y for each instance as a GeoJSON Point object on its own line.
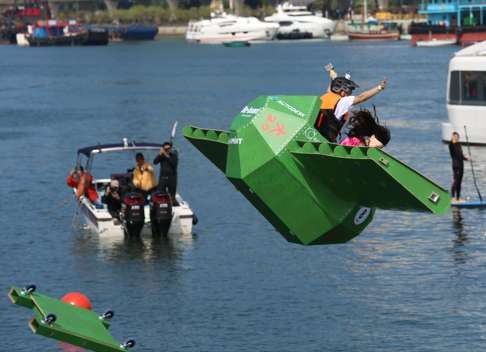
{"type": "Point", "coordinates": [291, 108]}
{"type": "Point", "coordinates": [272, 126]}
{"type": "Point", "coordinates": [235, 140]}
{"type": "Point", "coordinates": [249, 110]}
{"type": "Point", "coordinates": [310, 133]}
{"type": "Point", "coordinates": [361, 215]}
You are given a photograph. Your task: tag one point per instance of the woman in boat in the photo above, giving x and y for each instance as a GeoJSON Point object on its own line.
{"type": "Point", "coordinates": [458, 158]}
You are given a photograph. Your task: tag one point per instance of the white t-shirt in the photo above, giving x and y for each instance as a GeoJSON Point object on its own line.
{"type": "Point", "coordinates": [343, 106]}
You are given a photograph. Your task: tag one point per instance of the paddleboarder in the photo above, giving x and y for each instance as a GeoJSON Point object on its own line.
{"type": "Point", "coordinates": [458, 158]}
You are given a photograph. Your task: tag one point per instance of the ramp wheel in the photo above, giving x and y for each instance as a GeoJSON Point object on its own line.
{"type": "Point", "coordinates": [28, 289]}
{"type": "Point", "coordinates": [107, 315]}
{"type": "Point", "coordinates": [49, 319]}
{"type": "Point", "coordinates": [128, 344]}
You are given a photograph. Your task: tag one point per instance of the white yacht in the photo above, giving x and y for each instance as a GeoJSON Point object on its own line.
{"type": "Point", "coordinates": [297, 21]}
{"type": "Point", "coordinates": [224, 28]}
{"type": "Point", "coordinates": [466, 95]}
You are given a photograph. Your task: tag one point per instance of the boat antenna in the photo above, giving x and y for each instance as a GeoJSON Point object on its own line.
{"type": "Point", "coordinates": [472, 166]}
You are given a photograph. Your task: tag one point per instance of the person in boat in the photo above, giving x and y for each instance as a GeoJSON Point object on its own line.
{"type": "Point", "coordinates": [168, 160]}
{"type": "Point", "coordinates": [365, 130]}
{"type": "Point", "coordinates": [82, 181]}
{"type": "Point", "coordinates": [143, 174]}
{"type": "Point", "coordinates": [112, 198]}
{"type": "Point", "coordinates": [336, 103]}
{"type": "Point", "coordinates": [458, 158]}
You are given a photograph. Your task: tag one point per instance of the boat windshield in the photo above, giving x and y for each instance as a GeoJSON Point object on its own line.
{"type": "Point", "coordinates": [103, 165]}
{"type": "Point", "coordinates": [467, 88]}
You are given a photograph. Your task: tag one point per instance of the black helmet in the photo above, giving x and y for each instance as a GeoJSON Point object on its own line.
{"type": "Point", "coordinates": [344, 84]}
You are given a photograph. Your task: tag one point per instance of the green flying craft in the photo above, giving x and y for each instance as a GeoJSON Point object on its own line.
{"type": "Point", "coordinates": [310, 190]}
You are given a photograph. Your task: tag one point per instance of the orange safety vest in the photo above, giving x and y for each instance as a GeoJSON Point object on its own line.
{"type": "Point", "coordinates": [327, 123]}
{"type": "Point", "coordinates": [329, 100]}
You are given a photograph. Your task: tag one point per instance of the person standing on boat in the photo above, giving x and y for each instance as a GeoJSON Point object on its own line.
{"type": "Point", "coordinates": [336, 103]}
{"type": "Point", "coordinates": [458, 158]}
{"type": "Point", "coordinates": [168, 161]}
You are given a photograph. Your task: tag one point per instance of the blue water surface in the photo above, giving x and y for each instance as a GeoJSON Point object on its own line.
{"type": "Point", "coordinates": [410, 282]}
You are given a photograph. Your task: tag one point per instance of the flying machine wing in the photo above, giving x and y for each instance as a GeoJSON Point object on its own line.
{"type": "Point", "coordinates": [371, 177]}
{"type": "Point", "coordinates": [212, 143]}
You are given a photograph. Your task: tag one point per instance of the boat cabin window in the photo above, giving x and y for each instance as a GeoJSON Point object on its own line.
{"type": "Point", "coordinates": [467, 88]}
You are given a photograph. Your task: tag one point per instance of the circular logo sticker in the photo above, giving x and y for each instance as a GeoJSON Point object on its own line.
{"type": "Point", "coordinates": [361, 215]}
{"type": "Point", "coordinates": [310, 133]}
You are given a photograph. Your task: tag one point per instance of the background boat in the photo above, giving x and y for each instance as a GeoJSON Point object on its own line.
{"type": "Point", "coordinates": [132, 32]}
{"type": "Point", "coordinates": [371, 29]}
{"type": "Point", "coordinates": [436, 42]}
{"type": "Point", "coordinates": [223, 28]}
{"type": "Point", "coordinates": [61, 33]}
{"type": "Point", "coordinates": [296, 22]}
{"type": "Point", "coordinates": [466, 95]}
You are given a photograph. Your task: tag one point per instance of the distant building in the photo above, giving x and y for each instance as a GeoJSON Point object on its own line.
{"type": "Point", "coordinates": [455, 13]}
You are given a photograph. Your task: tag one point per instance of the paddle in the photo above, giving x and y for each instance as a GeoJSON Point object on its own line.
{"type": "Point", "coordinates": [472, 166]}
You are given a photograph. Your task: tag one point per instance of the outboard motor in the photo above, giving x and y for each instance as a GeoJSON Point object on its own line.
{"type": "Point", "coordinates": [160, 213]}
{"type": "Point", "coordinates": [132, 214]}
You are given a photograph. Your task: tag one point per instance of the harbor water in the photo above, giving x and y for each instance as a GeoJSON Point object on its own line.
{"type": "Point", "coordinates": [409, 282]}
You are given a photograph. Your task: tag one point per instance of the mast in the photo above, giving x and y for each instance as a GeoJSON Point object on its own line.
{"type": "Point", "coordinates": [364, 13]}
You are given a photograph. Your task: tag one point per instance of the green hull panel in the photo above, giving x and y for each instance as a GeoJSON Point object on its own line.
{"type": "Point", "coordinates": [311, 191]}
{"type": "Point", "coordinates": [73, 325]}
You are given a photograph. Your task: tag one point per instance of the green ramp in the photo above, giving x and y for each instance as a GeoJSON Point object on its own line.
{"type": "Point", "coordinates": [311, 191]}
{"type": "Point", "coordinates": [65, 322]}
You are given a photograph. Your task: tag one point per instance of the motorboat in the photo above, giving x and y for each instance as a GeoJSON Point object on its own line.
{"type": "Point", "coordinates": [222, 28]}
{"type": "Point", "coordinates": [61, 33]}
{"type": "Point", "coordinates": [370, 29]}
{"type": "Point", "coordinates": [297, 22]}
{"type": "Point", "coordinates": [379, 34]}
{"type": "Point", "coordinates": [466, 95]}
{"type": "Point", "coordinates": [434, 42]}
{"type": "Point", "coordinates": [156, 214]}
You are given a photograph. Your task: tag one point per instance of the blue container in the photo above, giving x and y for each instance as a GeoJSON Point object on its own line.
{"type": "Point", "coordinates": [40, 32]}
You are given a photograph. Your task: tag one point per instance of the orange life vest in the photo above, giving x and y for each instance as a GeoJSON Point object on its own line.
{"type": "Point", "coordinates": [329, 100]}
{"type": "Point", "coordinates": [327, 124]}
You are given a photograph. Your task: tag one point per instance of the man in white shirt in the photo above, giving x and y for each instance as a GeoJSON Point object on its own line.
{"type": "Point", "coordinates": [337, 102]}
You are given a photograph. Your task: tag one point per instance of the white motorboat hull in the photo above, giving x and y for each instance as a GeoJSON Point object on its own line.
{"type": "Point", "coordinates": [268, 34]}
{"type": "Point", "coordinates": [470, 116]}
{"type": "Point", "coordinates": [296, 19]}
{"type": "Point", "coordinates": [229, 28]}
{"type": "Point", "coordinates": [436, 42]}
{"type": "Point", "coordinates": [317, 30]}
{"type": "Point", "coordinates": [101, 222]}
{"type": "Point", "coordinates": [466, 112]}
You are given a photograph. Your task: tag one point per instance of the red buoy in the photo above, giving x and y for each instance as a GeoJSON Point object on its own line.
{"type": "Point", "coordinates": [77, 299]}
